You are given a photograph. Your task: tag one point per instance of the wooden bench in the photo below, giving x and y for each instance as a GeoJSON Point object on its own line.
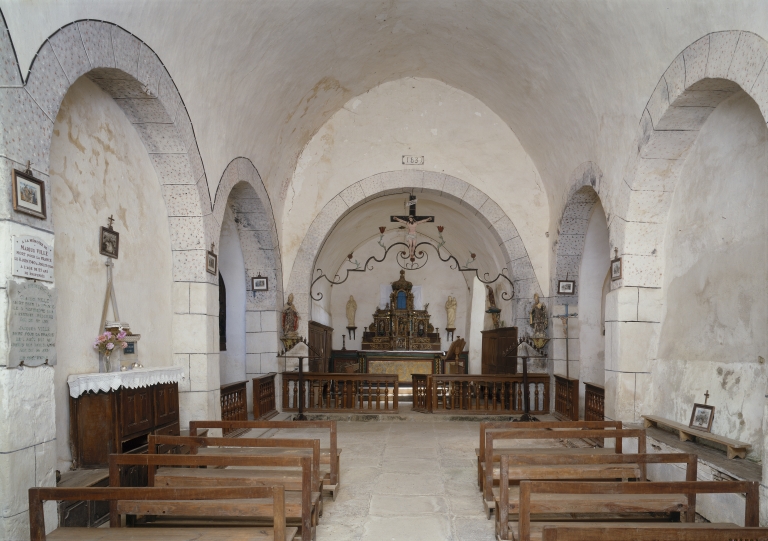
{"type": "Point", "coordinates": [654, 532]}
{"type": "Point", "coordinates": [328, 457]}
{"type": "Point", "coordinates": [491, 474]}
{"type": "Point", "coordinates": [511, 425]}
{"type": "Point", "coordinates": [190, 499]}
{"type": "Point", "coordinates": [300, 507]}
{"type": "Point", "coordinates": [647, 499]}
{"type": "Point", "coordinates": [734, 448]}
{"type": "Point", "coordinates": [517, 468]}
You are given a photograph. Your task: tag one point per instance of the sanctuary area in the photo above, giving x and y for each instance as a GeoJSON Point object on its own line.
{"type": "Point", "coordinates": [384, 270]}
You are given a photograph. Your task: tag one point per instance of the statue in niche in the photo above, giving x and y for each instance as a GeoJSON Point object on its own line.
{"type": "Point", "coordinates": [351, 310]}
{"type": "Point", "coordinates": [290, 322]}
{"type": "Point", "coordinates": [539, 321]}
{"type": "Point", "coordinates": [450, 312]}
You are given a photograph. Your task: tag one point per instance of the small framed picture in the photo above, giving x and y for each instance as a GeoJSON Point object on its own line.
{"type": "Point", "coordinates": [702, 417]}
{"type": "Point", "coordinates": [211, 263]}
{"type": "Point", "coordinates": [259, 283]}
{"type": "Point", "coordinates": [566, 287]}
{"type": "Point", "coordinates": [615, 269]}
{"type": "Point", "coordinates": [109, 242]}
{"type": "Point", "coordinates": [28, 195]}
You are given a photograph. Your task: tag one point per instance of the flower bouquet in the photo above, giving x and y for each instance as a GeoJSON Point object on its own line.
{"type": "Point", "coordinates": [109, 343]}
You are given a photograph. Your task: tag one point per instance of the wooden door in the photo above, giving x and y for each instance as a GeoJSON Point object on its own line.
{"type": "Point", "coordinates": [135, 410]}
{"type": "Point", "coordinates": [166, 403]}
{"type": "Point", "coordinates": [320, 345]}
{"type": "Point", "coordinates": [498, 344]}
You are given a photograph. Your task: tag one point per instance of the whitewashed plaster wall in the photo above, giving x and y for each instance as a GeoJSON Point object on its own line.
{"type": "Point", "coordinates": [437, 281]}
{"type": "Point", "coordinates": [99, 167]}
{"type": "Point", "coordinates": [232, 269]}
{"type": "Point", "coordinates": [457, 135]}
{"type": "Point", "coordinates": [716, 278]}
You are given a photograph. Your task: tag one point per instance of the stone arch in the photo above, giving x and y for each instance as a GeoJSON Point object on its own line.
{"type": "Point", "coordinates": [415, 181]}
{"type": "Point", "coordinates": [701, 77]}
{"type": "Point", "coordinates": [582, 197]}
{"type": "Point", "coordinates": [241, 189]}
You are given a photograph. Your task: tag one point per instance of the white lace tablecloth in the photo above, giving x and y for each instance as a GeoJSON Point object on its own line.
{"type": "Point", "coordinates": [130, 379]}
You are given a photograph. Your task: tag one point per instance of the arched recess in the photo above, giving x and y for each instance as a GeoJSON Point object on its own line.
{"type": "Point", "coordinates": [415, 181]}
{"type": "Point", "coordinates": [242, 196]}
{"type": "Point", "coordinates": [582, 255]}
{"type": "Point", "coordinates": [701, 77]}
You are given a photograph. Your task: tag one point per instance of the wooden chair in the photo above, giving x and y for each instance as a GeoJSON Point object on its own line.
{"type": "Point", "coordinates": [491, 475]}
{"type": "Point", "coordinates": [328, 457]}
{"type": "Point", "coordinates": [517, 468]}
{"type": "Point", "coordinates": [511, 425]}
{"type": "Point", "coordinates": [612, 499]}
{"type": "Point", "coordinates": [298, 505]}
{"type": "Point", "coordinates": [187, 500]}
{"type": "Point", "coordinates": [655, 532]}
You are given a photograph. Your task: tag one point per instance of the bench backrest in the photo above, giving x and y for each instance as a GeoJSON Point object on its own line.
{"type": "Point", "coordinates": [154, 461]}
{"type": "Point", "coordinates": [253, 444]}
{"type": "Point", "coordinates": [749, 488]}
{"type": "Point", "coordinates": [656, 532]}
{"type": "Point", "coordinates": [535, 434]}
{"type": "Point", "coordinates": [544, 425]}
{"type": "Point", "coordinates": [194, 426]}
{"type": "Point", "coordinates": [38, 495]}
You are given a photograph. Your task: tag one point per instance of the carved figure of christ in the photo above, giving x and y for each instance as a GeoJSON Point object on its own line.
{"type": "Point", "coordinates": [410, 222]}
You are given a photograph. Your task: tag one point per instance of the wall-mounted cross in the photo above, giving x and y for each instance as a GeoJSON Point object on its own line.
{"type": "Point", "coordinates": [110, 220]}
{"type": "Point", "coordinates": [706, 396]}
{"type": "Point", "coordinates": [412, 212]}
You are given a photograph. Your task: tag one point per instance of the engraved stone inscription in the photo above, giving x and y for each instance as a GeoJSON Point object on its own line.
{"type": "Point", "coordinates": [413, 160]}
{"type": "Point", "coordinates": [31, 324]}
{"type": "Point", "coordinates": [32, 258]}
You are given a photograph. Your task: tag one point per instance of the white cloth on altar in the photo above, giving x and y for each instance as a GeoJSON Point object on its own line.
{"type": "Point", "coordinates": [385, 290]}
{"type": "Point", "coordinates": [130, 379]}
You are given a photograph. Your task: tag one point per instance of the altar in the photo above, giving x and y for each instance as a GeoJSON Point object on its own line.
{"type": "Point", "coordinates": [402, 363]}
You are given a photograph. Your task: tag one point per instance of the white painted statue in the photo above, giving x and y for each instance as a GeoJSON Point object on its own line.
{"type": "Point", "coordinates": [450, 311]}
{"type": "Point", "coordinates": [351, 310]}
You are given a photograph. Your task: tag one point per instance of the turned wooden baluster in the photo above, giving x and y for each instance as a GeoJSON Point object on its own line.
{"type": "Point", "coordinates": [296, 394]}
{"type": "Point", "coordinates": [386, 396]}
{"type": "Point", "coordinates": [536, 397]}
{"type": "Point", "coordinates": [519, 396]}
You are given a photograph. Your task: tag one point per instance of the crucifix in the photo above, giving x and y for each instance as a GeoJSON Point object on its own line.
{"type": "Point", "coordinates": [411, 221]}
{"type": "Point", "coordinates": [110, 220]}
{"type": "Point", "coordinates": [706, 396]}
{"type": "Point", "coordinates": [564, 321]}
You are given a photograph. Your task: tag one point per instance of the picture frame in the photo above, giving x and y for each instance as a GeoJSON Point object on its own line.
{"type": "Point", "coordinates": [566, 287]}
{"type": "Point", "coordinates": [702, 417]}
{"type": "Point", "coordinates": [109, 242]}
{"type": "Point", "coordinates": [259, 283]}
{"type": "Point", "coordinates": [28, 195]}
{"type": "Point", "coordinates": [616, 268]}
{"type": "Point", "coordinates": [211, 263]}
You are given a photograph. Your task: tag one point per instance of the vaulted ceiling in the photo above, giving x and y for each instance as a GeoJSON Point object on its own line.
{"type": "Point", "coordinates": [569, 77]}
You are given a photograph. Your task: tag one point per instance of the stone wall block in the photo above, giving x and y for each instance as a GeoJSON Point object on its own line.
{"type": "Point", "coordinates": [521, 269]}
{"type": "Point", "coordinates": [118, 87]}
{"type": "Point", "coordinates": [253, 321]}
{"type": "Point", "coordinates": [149, 70]}
{"type": "Point", "coordinates": [97, 39]}
{"type": "Point", "coordinates": [203, 191]}
{"type": "Point", "coordinates": [650, 306]}
{"type": "Point", "coordinates": [433, 182]}
{"type": "Point", "coordinates": [190, 334]}
{"type": "Point", "coordinates": [525, 288]}
{"type": "Point", "coordinates": [684, 118]}
{"type": "Point", "coordinates": [578, 211]}
{"type": "Point", "coordinates": [474, 199]}
{"type": "Point", "coordinates": [269, 321]}
{"type": "Point", "coordinates": [203, 299]}
{"type": "Point", "coordinates": [352, 194]}
{"type": "Point", "coordinates": [643, 238]}
{"type": "Point", "coordinates": [656, 174]}
{"type": "Point", "coordinates": [567, 266]}
{"type": "Point", "coordinates": [696, 56]}
{"type": "Point", "coordinates": [675, 78]}
{"type": "Point", "coordinates": [571, 244]}
{"type": "Point", "coordinates": [252, 364]}
{"type": "Point", "coordinates": [181, 297]}
{"type": "Point", "coordinates": [722, 45]}
{"type": "Point", "coordinates": [168, 95]}
{"type": "Point", "coordinates": [9, 69]}
{"type": "Point", "coordinates": [69, 49]}
{"type": "Point", "coordinates": [26, 394]}
{"type": "Point", "coordinates": [181, 200]}
{"type": "Point", "coordinates": [505, 230]}
{"type": "Point", "coordinates": [262, 300]}
{"type": "Point", "coordinates": [515, 248]}
{"type": "Point", "coordinates": [187, 233]}
{"type": "Point", "coordinates": [195, 161]}
{"type": "Point", "coordinates": [641, 270]}
{"type": "Point", "coordinates": [748, 60]}
{"type": "Point", "coordinates": [186, 130]}
{"type": "Point", "coordinates": [47, 82]}
{"type": "Point", "coordinates": [182, 360]}
{"type": "Point", "coordinates": [261, 342]}
{"type": "Point", "coordinates": [636, 345]}
{"type": "Point", "coordinates": [372, 185]}
{"type": "Point", "coordinates": [246, 171]}
{"type": "Point", "coordinates": [195, 406]}
{"type": "Point", "coordinates": [621, 304]}
{"type": "Point", "coordinates": [126, 47]}
{"type": "Point", "coordinates": [17, 474]}
{"type": "Point", "coordinates": [759, 92]}
{"type": "Point", "coordinates": [144, 110]}
{"type": "Point", "coordinates": [173, 169]}
{"type": "Point", "coordinates": [659, 102]}
{"type": "Point", "coordinates": [455, 187]}
{"type": "Point", "coordinates": [706, 98]}
{"type": "Point", "coordinates": [189, 265]}
{"type": "Point", "coordinates": [669, 144]}
{"type": "Point", "coordinates": [645, 131]}
{"type": "Point", "coordinates": [491, 211]}
{"type": "Point", "coordinates": [160, 138]}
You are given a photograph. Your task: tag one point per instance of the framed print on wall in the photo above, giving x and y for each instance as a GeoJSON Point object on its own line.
{"type": "Point", "coordinates": [109, 242]}
{"type": "Point", "coordinates": [616, 266]}
{"type": "Point", "coordinates": [211, 263]}
{"type": "Point", "coordinates": [259, 283]}
{"type": "Point", "coordinates": [702, 417]}
{"type": "Point", "coordinates": [566, 287]}
{"type": "Point", "coordinates": [28, 194]}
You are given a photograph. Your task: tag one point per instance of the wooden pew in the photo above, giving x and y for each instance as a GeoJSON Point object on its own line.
{"type": "Point", "coordinates": [518, 468]}
{"type": "Point", "coordinates": [298, 506]}
{"type": "Point", "coordinates": [493, 435]}
{"type": "Point", "coordinates": [511, 425]}
{"type": "Point", "coordinates": [242, 446]}
{"type": "Point", "coordinates": [656, 532]}
{"type": "Point", "coordinates": [546, 497]}
{"type": "Point", "coordinates": [329, 457]}
{"type": "Point", "coordinates": [192, 498]}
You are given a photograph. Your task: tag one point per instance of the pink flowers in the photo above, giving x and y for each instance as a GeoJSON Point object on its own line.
{"type": "Point", "coordinates": [107, 341]}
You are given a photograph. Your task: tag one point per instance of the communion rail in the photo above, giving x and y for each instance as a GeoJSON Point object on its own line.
{"type": "Point", "coordinates": [501, 394]}
{"type": "Point", "coordinates": [264, 405]}
{"type": "Point", "coordinates": [594, 402]}
{"type": "Point", "coordinates": [360, 393]}
{"type": "Point", "coordinates": [567, 398]}
{"type": "Point", "coordinates": [234, 406]}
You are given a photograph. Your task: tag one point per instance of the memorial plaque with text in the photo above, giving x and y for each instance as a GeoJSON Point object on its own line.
{"type": "Point", "coordinates": [32, 258]}
{"type": "Point", "coordinates": [31, 324]}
